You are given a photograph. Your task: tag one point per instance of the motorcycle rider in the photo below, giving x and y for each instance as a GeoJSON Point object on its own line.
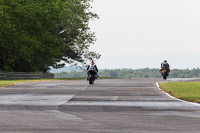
{"type": "Point", "coordinates": [166, 65]}
{"type": "Point", "coordinates": [93, 67]}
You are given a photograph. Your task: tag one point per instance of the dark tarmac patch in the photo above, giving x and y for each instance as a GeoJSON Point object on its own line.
{"type": "Point", "coordinates": [108, 106]}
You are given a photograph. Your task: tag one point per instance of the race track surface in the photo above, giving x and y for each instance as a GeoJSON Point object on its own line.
{"type": "Point", "coordinates": [108, 106]}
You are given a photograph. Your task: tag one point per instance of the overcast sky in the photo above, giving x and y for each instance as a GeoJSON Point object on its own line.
{"type": "Point", "coordinates": [143, 33]}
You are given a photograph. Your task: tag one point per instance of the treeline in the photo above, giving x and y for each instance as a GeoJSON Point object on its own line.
{"type": "Point", "coordinates": [131, 73]}
{"type": "Point", "coordinates": [38, 34]}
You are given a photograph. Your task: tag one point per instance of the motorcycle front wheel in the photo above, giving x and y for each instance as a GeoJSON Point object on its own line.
{"type": "Point", "coordinates": [91, 80]}
{"type": "Point", "coordinates": [164, 76]}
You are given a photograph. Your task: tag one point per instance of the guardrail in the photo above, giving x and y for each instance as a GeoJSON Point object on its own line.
{"type": "Point", "coordinates": [25, 75]}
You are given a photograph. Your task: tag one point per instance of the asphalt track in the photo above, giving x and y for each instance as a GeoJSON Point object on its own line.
{"type": "Point", "coordinates": [108, 106]}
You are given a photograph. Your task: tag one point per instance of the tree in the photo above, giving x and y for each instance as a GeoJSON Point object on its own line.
{"type": "Point", "coordinates": [38, 34]}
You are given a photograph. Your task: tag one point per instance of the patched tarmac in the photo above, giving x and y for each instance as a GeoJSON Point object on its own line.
{"type": "Point", "coordinates": [108, 106]}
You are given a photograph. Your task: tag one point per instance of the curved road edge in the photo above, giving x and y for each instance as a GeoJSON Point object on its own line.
{"type": "Point", "coordinates": [196, 104]}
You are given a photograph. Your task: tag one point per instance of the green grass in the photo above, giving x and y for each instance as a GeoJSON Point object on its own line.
{"type": "Point", "coordinates": [4, 83]}
{"type": "Point", "coordinates": [188, 91]}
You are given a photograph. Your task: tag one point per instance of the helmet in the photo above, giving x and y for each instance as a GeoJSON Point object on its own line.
{"type": "Point", "coordinates": [92, 62]}
{"type": "Point", "coordinates": [165, 60]}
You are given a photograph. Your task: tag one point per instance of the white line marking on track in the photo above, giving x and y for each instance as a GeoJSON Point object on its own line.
{"type": "Point", "coordinates": [196, 104]}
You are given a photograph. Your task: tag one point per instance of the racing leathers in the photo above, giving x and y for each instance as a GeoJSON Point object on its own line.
{"type": "Point", "coordinates": [94, 68]}
{"type": "Point", "coordinates": [166, 65]}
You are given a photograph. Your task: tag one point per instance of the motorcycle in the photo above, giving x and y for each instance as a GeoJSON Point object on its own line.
{"type": "Point", "coordinates": [91, 76]}
{"type": "Point", "coordinates": [164, 73]}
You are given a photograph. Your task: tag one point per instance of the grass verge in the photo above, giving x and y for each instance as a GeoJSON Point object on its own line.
{"type": "Point", "coordinates": [4, 83]}
{"type": "Point", "coordinates": [188, 91]}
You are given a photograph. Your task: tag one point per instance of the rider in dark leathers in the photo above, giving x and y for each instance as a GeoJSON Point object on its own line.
{"type": "Point", "coordinates": [93, 66]}
{"type": "Point", "coordinates": [165, 64]}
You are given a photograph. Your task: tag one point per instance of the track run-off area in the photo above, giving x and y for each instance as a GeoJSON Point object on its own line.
{"type": "Point", "coordinates": [108, 106]}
